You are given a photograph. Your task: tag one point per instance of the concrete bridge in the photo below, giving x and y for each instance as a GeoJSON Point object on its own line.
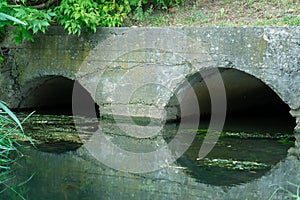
{"type": "Point", "coordinates": [156, 72]}
{"type": "Point", "coordinates": [159, 74]}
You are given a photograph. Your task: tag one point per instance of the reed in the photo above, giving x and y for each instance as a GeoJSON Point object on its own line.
{"type": "Point", "coordinates": [10, 130]}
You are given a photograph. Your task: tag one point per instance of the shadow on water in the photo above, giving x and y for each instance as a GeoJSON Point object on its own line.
{"type": "Point", "coordinates": [250, 144]}
{"type": "Point", "coordinates": [237, 157]}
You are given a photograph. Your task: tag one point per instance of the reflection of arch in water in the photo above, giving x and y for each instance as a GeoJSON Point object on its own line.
{"type": "Point", "coordinates": [252, 107]}
{"type": "Point", "coordinates": [53, 95]}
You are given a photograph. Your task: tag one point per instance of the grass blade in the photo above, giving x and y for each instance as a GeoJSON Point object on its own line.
{"type": "Point", "coordinates": [11, 114]}
{"type": "Point", "coordinates": [4, 16]}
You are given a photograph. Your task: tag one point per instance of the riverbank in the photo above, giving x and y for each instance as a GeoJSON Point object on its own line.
{"type": "Point", "coordinates": [221, 13]}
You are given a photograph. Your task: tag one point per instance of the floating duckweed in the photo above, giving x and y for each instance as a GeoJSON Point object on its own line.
{"type": "Point", "coordinates": [264, 135]}
{"type": "Point", "coordinates": [234, 164]}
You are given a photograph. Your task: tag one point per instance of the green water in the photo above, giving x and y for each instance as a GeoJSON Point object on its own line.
{"type": "Point", "coordinates": [256, 151]}
{"type": "Point", "coordinates": [63, 169]}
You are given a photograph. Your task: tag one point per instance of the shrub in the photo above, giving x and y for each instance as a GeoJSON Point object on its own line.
{"type": "Point", "coordinates": [76, 15]}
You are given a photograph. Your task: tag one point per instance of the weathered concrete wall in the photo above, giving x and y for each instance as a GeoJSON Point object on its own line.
{"type": "Point", "coordinates": [152, 62]}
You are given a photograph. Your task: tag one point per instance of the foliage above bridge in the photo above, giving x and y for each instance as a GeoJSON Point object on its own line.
{"type": "Point", "coordinates": [74, 15]}
{"type": "Point", "coordinates": [86, 15]}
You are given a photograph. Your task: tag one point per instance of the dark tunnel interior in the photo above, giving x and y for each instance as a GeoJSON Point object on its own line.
{"type": "Point", "coordinates": [252, 106]}
{"type": "Point", "coordinates": [54, 95]}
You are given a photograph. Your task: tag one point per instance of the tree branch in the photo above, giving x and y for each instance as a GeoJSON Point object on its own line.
{"type": "Point", "coordinates": [43, 5]}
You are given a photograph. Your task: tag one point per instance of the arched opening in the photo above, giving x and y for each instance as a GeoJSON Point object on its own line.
{"type": "Point", "coordinates": [51, 98]}
{"type": "Point", "coordinates": [257, 133]}
{"type": "Point", "coordinates": [53, 95]}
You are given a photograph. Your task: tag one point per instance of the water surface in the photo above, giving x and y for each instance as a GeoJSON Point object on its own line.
{"type": "Point", "coordinates": [63, 169]}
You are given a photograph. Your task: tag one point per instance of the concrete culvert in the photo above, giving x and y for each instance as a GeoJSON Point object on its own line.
{"type": "Point", "coordinates": [54, 95]}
